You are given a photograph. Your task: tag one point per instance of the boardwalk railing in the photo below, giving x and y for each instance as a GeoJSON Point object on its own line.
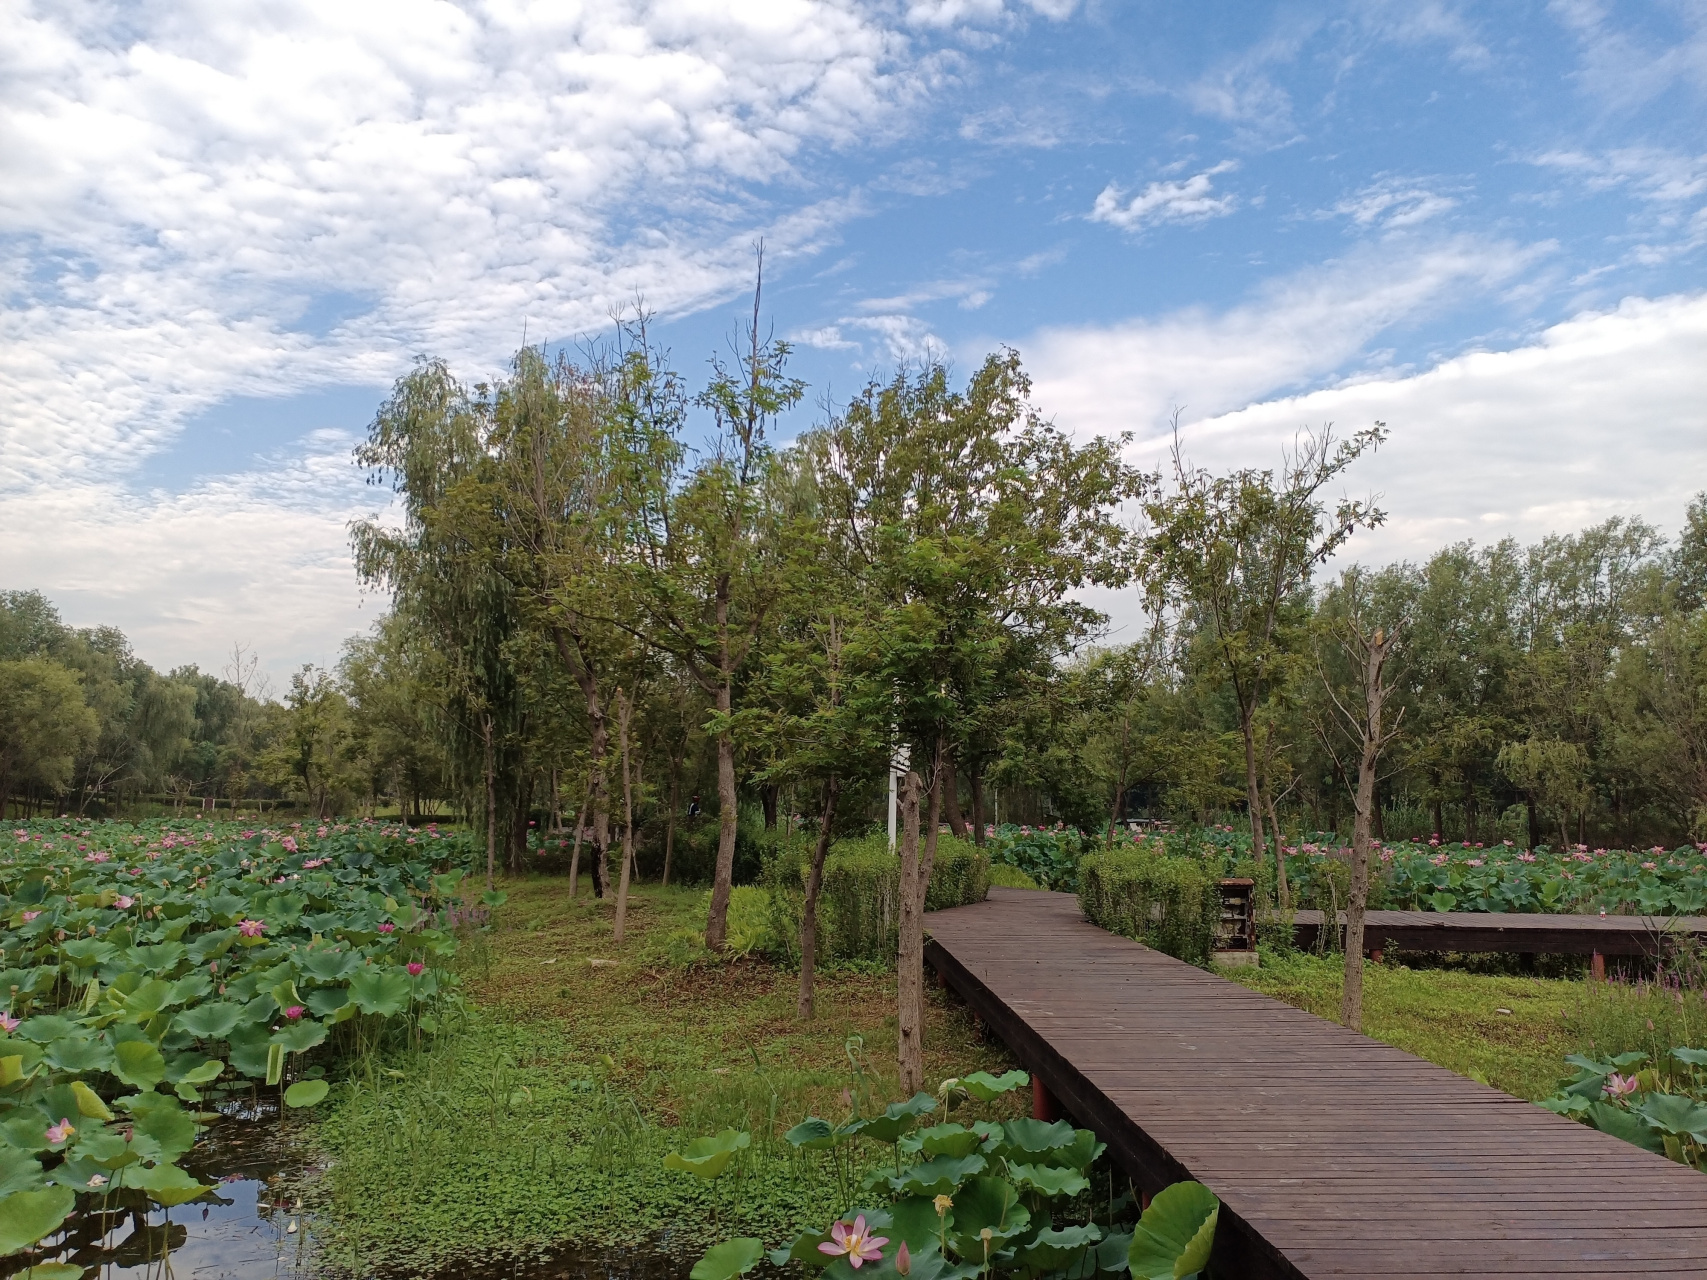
{"type": "Point", "coordinates": [1333, 1154]}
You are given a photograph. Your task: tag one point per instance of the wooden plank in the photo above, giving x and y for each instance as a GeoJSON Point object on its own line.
{"type": "Point", "coordinates": [1484, 931]}
{"type": "Point", "coordinates": [1334, 1155]}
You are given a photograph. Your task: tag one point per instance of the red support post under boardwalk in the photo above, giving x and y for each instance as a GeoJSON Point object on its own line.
{"type": "Point", "coordinates": [1042, 1105]}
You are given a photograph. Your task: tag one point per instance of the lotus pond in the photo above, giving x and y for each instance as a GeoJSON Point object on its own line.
{"type": "Point", "coordinates": [164, 976]}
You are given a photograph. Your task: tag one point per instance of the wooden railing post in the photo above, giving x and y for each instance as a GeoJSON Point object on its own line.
{"type": "Point", "coordinates": [1042, 1103]}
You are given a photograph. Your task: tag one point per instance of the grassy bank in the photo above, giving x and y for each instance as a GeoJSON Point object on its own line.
{"type": "Point", "coordinates": [545, 1118]}
{"type": "Point", "coordinates": [1510, 1032]}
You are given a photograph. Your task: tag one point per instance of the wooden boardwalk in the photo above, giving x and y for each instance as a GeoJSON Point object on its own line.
{"type": "Point", "coordinates": [1333, 1154]}
{"type": "Point", "coordinates": [1494, 931]}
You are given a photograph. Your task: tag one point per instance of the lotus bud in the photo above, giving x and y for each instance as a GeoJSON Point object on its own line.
{"type": "Point", "coordinates": [903, 1261]}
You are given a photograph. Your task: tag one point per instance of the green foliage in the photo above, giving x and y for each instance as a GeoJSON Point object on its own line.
{"type": "Point", "coordinates": [1050, 859]}
{"type": "Point", "coordinates": [1176, 1233]}
{"type": "Point", "coordinates": [149, 956]}
{"type": "Point", "coordinates": [1171, 904]}
{"type": "Point", "coordinates": [858, 904]}
{"type": "Point", "coordinates": [1005, 877]}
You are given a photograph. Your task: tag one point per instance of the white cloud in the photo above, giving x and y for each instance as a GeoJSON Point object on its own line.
{"type": "Point", "coordinates": [1187, 201]}
{"type": "Point", "coordinates": [1130, 377]}
{"type": "Point", "coordinates": [1602, 415]}
{"type": "Point", "coordinates": [176, 190]}
{"type": "Point", "coordinates": [1394, 203]}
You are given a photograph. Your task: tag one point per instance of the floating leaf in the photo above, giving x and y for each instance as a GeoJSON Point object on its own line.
{"type": "Point", "coordinates": [707, 1157]}
{"type": "Point", "coordinates": [139, 1064]}
{"type": "Point", "coordinates": [1175, 1234]}
{"type": "Point", "coordinates": [305, 1093]}
{"type": "Point", "coordinates": [727, 1260]}
{"type": "Point", "coordinates": [984, 1086]}
{"type": "Point", "coordinates": [168, 1185]}
{"type": "Point", "coordinates": [27, 1216]}
{"type": "Point", "coordinates": [212, 1021]}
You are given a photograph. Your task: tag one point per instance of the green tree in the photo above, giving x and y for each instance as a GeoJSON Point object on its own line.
{"type": "Point", "coordinates": [44, 725]}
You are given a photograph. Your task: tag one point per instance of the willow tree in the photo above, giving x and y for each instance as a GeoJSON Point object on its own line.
{"type": "Point", "coordinates": [443, 568]}
{"type": "Point", "coordinates": [968, 522]}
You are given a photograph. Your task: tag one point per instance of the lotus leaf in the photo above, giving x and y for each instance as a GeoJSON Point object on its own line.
{"type": "Point", "coordinates": [139, 1064]}
{"type": "Point", "coordinates": [803, 1249]}
{"type": "Point", "coordinates": [382, 991]}
{"type": "Point", "coordinates": [1674, 1113]}
{"type": "Point", "coordinates": [1693, 1057]}
{"type": "Point", "coordinates": [299, 1037]}
{"type": "Point", "coordinates": [1048, 1180]}
{"type": "Point", "coordinates": [706, 1158]}
{"type": "Point", "coordinates": [107, 1148]}
{"type": "Point", "coordinates": [986, 1203]}
{"type": "Point", "coordinates": [76, 1053]}
{"type": "Point", "coordinates": [812, 1134]}
{"type": "Point", "coordinates": [1036, 1136]}
{"type": "Point", "coordinates": [249, 1050]}
{"type": "Point", "coordinates": [27, 1216]}
{"type": "Point", "coordinates": [985, 1087]}
{"type": "Point", "coordinates": [949, 1140]}
{"type": "Point", "coordinates": [86, 953]}
{"type": "Point", "coordinates": [306, 1093]}
{"type": "Point", "coordinates": [190, 988]}
{"type": "Point", "coordinates": [89, 1102]}
{"type": "Point", "coordinates": [330, 966]}
{"type": "Point", "coordinates": [212, 1021]}
{"type": "Point", "coordinates": [46, 1028]}
{"type": "Point", "coordinates": [938, 1176]}
{"type": "Point", "coordinates": [54, 1271]}
{"type": "Point", "coordinates": [1622, 1124]}
{"type": "Point", "coordinates": [19, 1171]}
{"type": "Point", "coordinates": [163, 1135]}
{"type": "Point", "coordinates": [326, 1001]}
{"type": "Point", "coordinates": [275, 1062]}
{"type": "Point", "coordinates": [727, 1260]}
{"type": "Point", "coordinates": [1052, 1250]}
{"type": "Point", "coordinates": [1175, 1234]}
{"type": "Point", "coordinates": [168, 1185]}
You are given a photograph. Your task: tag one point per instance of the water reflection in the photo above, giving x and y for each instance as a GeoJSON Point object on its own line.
{"type": "Point", "coordinates": [250, 1228]}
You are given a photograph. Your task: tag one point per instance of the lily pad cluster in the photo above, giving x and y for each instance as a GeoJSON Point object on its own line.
{"type": "Point", "coordinates": [968, 1200]}
{"type": "Point", "coordinates": [149, 970]}
{"type": "Point", "coordinates": [1658, 1106]}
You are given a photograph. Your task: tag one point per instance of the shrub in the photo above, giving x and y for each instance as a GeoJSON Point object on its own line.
{"type": "Point", "coordinates": [858, 905]}
{"type": "Point", "coordinates": [1171, 904]}
{"type": "Point", "coordinates": [1007, 877]}
{"type": "Point", "coordinates": [1049, 858]}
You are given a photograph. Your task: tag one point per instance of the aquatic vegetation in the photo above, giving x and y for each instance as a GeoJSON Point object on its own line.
{"type": "Point", "coordinates": [154, 968]}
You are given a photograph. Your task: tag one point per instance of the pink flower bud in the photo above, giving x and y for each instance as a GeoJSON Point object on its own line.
{"type": "Point", "coordinates": [416, 968]}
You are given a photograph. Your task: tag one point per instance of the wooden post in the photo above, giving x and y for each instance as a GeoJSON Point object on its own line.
{"type": "Point", "coordinates": [1375, 955]}
{"type": "Point", "coordinates": [1042, 1105]}
{"type": "Point", "coordinates": [1597, 966]}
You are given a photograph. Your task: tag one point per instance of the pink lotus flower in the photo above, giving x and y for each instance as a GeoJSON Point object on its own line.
{"type": "Point", "coordinates": [294, 1012]}
{"type": "Point", "coordinates": [289, 844]}
{"type": "Point", "coordinates": [98, 856]}
{"type": "Point", "coordinates": [1474, 862]}
{"type": "Point", "coordinates": [97, 1181]}
{"type": "Point", "coordinates": [1618, 1086]}
{"type": "Point", "coordinates": [8, 1023]}
{"type": "Point", "coordinates": [61, 1132]}
{"type": "Point", "coordinates": [1526, 857]}
{"type": "Point", "coordinates": [30, 915]}
{"type": "Point", "coordinates": [388, 927]}
{"type": "Point", "coordinates": [124, 902]}
{"type": "Point", "coordinates": [251, 928]}
{"type": "Point", "coordinates": [903, 1260]}
{"type": "Point", "coordinates": [851, 1239]}
{"type": "Point", "coordinates": [415, 968]}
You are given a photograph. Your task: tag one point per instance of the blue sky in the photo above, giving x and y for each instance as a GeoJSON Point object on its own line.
{"type": "Point", "coordinates": [226, 228]}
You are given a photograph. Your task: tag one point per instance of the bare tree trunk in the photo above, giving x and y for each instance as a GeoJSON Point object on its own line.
{"type": "Point", "coordinates": [950, 788]}
{"type": "Point", "coordinates": [624, 714]}
{"type": "Point", "coordinates": [975, 780]}
{"type": "Point", "coordinates": [910, 964]}
{"type": "Point", "coordinates": [815, 882]}
{"type": "Point", "coordinates": [1374, 697]}
{"type": "Point", "coordinates": [1253, 801]}
{"type": "Point", "coordinates": [768, 798]}
{"type": "Point", "coordinates": [601, 842]}
{"type": "Point", "coordinates": [491, 802]}
{"type": "Point", "coordinates": [575, 853]}
{"type": "Point", "coordinates": [1282, 886]}
{"type": "Point", "coordinates": [670, 822]}
{"type": "Point", "coordinates": [717, 919]}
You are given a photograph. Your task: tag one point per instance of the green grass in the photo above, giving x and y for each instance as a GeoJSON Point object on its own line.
{"type": "Point", "coordinates": [1448, 1017]}
{"type": "Point", "coordinates": [545, 1119]}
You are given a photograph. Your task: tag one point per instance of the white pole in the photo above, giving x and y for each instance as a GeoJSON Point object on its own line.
{"type": "Point", "coordinates": [891, 806]}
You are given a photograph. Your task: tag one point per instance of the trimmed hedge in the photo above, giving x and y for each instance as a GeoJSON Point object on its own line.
{"type": "Point", "coordinates": [1171, 904]}
{"type": "Point", "coordinates": [858, 905]}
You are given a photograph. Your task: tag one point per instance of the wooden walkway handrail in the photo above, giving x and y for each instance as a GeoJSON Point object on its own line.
{"type": "Point", "coordinates": [1334, 1155]}
{"type": "Point", "coordinates": [1510, 932]}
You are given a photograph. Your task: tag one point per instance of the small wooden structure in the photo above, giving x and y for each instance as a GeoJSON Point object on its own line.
{"type": "Point", "coordinates": [1236, 933]}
